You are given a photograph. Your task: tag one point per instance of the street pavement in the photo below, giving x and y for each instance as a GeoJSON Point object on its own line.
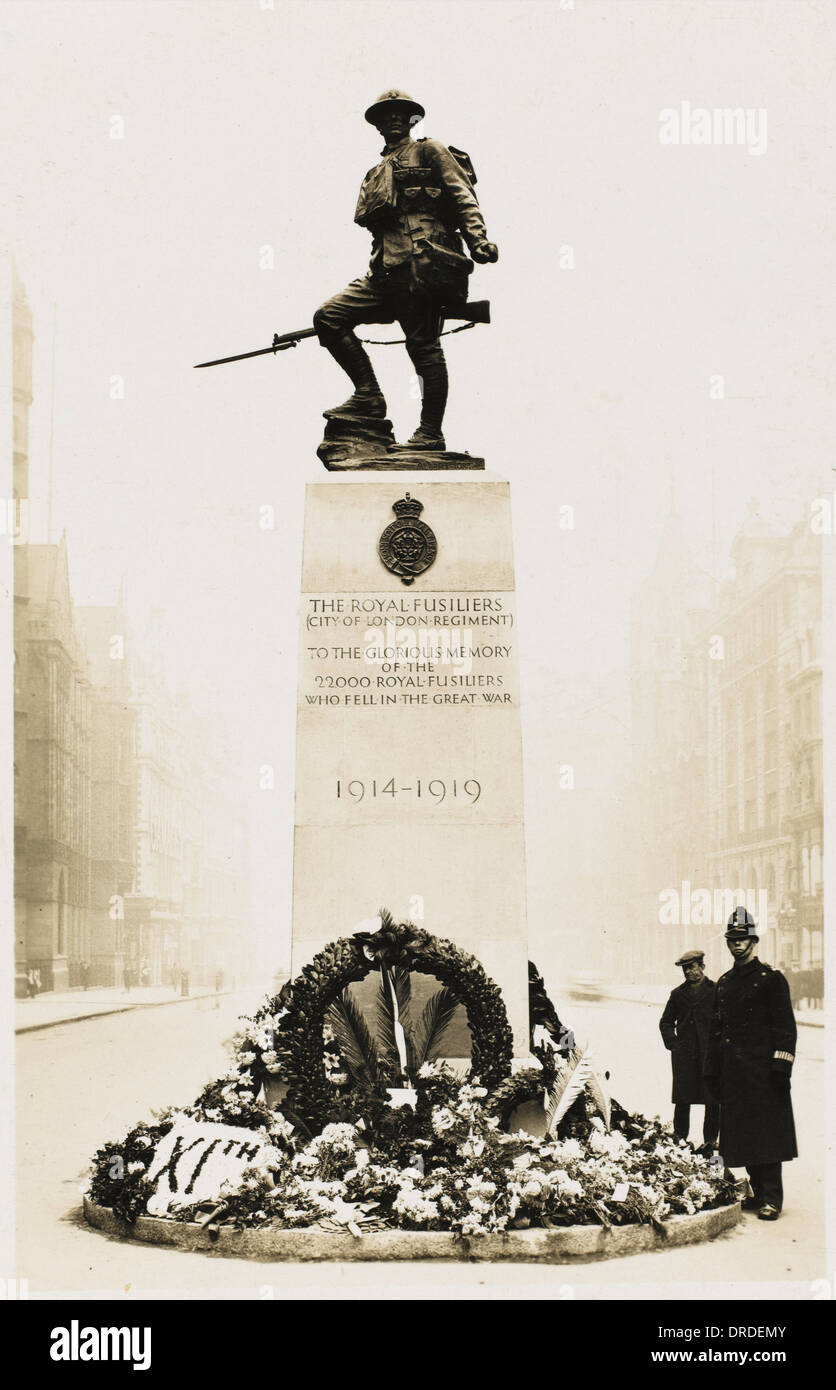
{"type": "Point", "coordinates": [66, 1006]}
{"type": "Point", "coordinates": [81, 1084]}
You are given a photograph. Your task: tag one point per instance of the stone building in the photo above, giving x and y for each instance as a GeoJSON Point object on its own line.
{"type": "Point", "coordinates": [666, 834]}
{"type": "Point", "coordinates": [53, 858]}
{"type": "Point", "coordinates": [113, 791]}
{"type": "Point", "coordinates": [155, 931]}
{"type": "Point", "coordinates": [766, 808]}
{"type": "Point", "coordinates": [22, 340]}
{"type": "Point", "coordinates": [130, 827]}
{"type": "Point", "coordinates": [727, 733]}
{"type": "Point", "coordinates": [189, 909]}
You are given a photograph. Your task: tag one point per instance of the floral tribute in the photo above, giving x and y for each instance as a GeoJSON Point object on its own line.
{"type": "Point", "coordinates": [361, 1144]}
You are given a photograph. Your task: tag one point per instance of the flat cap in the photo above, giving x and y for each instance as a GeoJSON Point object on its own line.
{"type": "Point", "coordinates": [688, 956]}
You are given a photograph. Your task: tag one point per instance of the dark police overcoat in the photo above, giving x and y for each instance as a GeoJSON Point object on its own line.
{"type": "Point", "coordinates": [752, 1037]}
{"type": "Point", "coordinates": [684, 1026]}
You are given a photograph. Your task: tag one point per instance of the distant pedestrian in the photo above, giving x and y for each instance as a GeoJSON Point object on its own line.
{"type": "Point", "coordinates": [31, 984]}
{"type": "Point", "coordinates": [184, 982]}
{"type": "Point", "coordinates": [750, 1055]}
{"type": "Point", "coordinates": [37, 979]}
{"type": "Point", "coordinates": [684, 1026]}
{"type": "Point", "coordinates": [128, 979]}
{"type": "Point", "coordinates": [85, 974]}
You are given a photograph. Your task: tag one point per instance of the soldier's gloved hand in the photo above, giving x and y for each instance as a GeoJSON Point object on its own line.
{"type": "Point", "coordinates": [780, 1082]}
{"type": "Point", "coordinates": [485, 251]}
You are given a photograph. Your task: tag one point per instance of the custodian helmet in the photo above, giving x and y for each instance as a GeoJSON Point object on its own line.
{"type": "Point", "coordinates": [741, 926]}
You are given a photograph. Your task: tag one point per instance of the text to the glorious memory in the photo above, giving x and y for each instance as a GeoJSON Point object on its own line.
{"type": "Point", "coordinates": [412, 650]}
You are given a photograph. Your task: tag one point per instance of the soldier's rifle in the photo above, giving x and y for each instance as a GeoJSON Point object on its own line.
{"type": "Point", "coordinates": [479, 311]}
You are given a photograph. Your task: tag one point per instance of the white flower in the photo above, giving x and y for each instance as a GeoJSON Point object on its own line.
{"type": "Point", "coordinates": [571, 1148]}
{"type": "Point", "coordinates": [246, 1057]}
{"type": "Point", "coordinates": [442, 1119]}
{"type": "Point", "coordinates": [414, 1205]}
{"type": "Point", "coordinates": [428, 1069]}
{"type": "Point", "coordinates": [481, 1187]}
{"type": "Point", "coordinates": [566, 1186]}
{"type": "Point", "coordinates": [473, 1147]}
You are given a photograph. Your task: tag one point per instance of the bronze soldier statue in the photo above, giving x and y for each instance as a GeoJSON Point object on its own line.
{"type": "Point", "coordinates": [750, 1054]}
{"type": "Point", "coordinates": [684, 1027]}
{"type": "Point", "coordinates": [418, 203]}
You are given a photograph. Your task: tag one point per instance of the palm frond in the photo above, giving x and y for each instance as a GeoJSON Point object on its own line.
{"type": "Point", "coordinates": [436, 1017]}
{"type": "Point", "coordinates": [568, 1085]}
{"type": "Point", "coordinates": [387, 1041]}
{"type": "Point", "coordinates": [579, 1075]}
{"type": "Point", "coordinates": [352, 1034]}
{"type": "Point", "coordinates": [597, 1089]}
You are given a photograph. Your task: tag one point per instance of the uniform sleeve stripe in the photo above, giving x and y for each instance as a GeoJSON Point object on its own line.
{"type": "Point", "coordinates": [784, 1057]}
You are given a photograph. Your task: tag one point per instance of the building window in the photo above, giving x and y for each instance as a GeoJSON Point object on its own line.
{"type": "Point", "coordinates": [815, 869]}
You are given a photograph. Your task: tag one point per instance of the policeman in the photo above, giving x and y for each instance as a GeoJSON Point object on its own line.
{"type": "Point", "coordinates": [418, 203]}
{"type": "Point", "coordinates": [684, 1027]}
{"type": "Point", "coordinates": [751, 1050]}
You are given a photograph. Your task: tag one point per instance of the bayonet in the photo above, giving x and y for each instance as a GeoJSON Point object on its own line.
{"type": "Point", "coordinates": [479, 311]}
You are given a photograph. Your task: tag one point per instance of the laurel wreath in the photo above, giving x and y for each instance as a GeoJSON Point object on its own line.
{"type": "Point", "coordinates": [301, 1006]}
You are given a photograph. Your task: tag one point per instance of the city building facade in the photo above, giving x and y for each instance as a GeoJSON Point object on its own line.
{"type": "Point", "coordinates": [727, 780]}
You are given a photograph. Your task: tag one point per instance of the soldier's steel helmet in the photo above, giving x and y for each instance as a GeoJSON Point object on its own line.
{"type": "Point", "coordinates": [688, 956]}
{"type": "Point", "coordinates": [394, 98]}
{"type": "Point", "coordinates": [741, 926]}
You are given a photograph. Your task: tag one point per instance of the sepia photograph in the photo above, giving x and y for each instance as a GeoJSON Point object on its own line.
{"type": "Point", "coordinates": [417, 762]}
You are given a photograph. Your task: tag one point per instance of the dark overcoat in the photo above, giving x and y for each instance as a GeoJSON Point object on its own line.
{"type": "Point", "coordinates": [752, 1040]}
{"type": "Point", "coordinates": [684, 1026]}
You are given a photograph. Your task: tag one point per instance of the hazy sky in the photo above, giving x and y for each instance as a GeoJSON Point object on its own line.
{"type": "Point", "coordinates": [242, 129]}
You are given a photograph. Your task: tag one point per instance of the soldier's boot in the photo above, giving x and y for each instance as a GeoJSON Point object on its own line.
{"type": "Point", "coordinates": [368, 399]}
{"type": "Point", "coordinates": [428, 437]}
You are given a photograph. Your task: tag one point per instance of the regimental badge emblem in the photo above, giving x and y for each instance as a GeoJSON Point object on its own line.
{"type": "Point", "coordinates": [407, 546]}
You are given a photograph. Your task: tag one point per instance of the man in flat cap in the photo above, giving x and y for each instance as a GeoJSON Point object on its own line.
{"type": "Point", "coordinates": [684, 1027]}
{"type": "Point", "coordinates": [751, 1050]}
{"type": "Point", "coordinates": [418, 203]}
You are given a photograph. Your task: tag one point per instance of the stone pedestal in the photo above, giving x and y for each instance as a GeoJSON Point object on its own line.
{"type": "Point", "coordinates": [399, 460]}
{"type": "Point", "coordinates": [408, 757]}
{"type": "Point", "coordinates": [353, 441]}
